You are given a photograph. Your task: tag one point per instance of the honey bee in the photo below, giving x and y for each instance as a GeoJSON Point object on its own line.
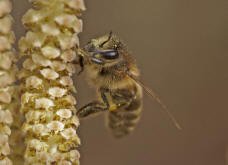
{"type": "Point", "coordinates": [113, 72]}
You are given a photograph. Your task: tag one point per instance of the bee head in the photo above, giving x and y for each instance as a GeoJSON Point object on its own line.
{"type": "Point", "coordinates": [104, 50]}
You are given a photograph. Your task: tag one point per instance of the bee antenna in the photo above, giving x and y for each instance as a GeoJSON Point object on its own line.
{"type": "Point", "coordinates": [110, 34]}
{"type": "Point", "coordinates": [154, 96]}
{"type": "Point", "coordinates": [109, 38]}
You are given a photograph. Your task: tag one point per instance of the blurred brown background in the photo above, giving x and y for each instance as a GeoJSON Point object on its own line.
{"type": "Point", "coordinates": [181, 47]}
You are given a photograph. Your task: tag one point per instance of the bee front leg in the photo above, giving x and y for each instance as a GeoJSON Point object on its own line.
{"type": "Point", "coordinates": [81, 63]}
{"type": "Point", "coordinates": [95, 107]}
{"type": "Point", "coordinates": [80, 59]}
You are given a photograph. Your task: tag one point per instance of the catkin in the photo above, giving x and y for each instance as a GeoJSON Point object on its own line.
{"type": "Point", "coordinates": [7, 78]}
{"type": "Point", "coordinates": [10, 119]}
{"type": "Point", "coordinates": [47, 101]}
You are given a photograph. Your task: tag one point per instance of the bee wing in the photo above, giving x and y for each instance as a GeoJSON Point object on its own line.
{"type": "Point", "coordinates": [154, 96]}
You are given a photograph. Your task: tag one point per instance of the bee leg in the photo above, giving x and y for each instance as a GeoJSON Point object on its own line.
{"type": "Point", "coordinates": [94, 107]}
{"type": "Point", "coordinates": [122, 97]}
{"type": "Point", "coordinates": [90, 109]}
{"type": "Point", "coordinates": [81, 63]}
{"type": "Point", "coordinates": [80, 60]}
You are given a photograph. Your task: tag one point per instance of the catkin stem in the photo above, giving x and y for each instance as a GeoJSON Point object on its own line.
{"type": "Point", "coordinates": [46, 101]}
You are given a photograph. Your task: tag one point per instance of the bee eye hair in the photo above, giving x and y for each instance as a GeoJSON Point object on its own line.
{"type": "Point", "coordinates": [110, 55]}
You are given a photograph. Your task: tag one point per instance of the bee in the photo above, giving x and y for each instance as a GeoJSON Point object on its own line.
{"type": "Point", "coordinates": [113, 72]}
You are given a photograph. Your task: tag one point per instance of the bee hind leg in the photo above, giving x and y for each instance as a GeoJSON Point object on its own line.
{"type": "Point", "coordinates": [123, 97]}
{"type": "Point", "coordinates": [94, 107]}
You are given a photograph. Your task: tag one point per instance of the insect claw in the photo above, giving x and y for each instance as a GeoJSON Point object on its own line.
{"type": "Point", "coordinates": [82, 69]}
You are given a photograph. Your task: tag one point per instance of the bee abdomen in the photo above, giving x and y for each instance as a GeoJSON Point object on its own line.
{"type": "Point", "coordinates": [123, 121]}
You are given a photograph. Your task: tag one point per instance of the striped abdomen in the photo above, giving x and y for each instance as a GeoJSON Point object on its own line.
{"type": "Point", "coordinates": [123, 121]}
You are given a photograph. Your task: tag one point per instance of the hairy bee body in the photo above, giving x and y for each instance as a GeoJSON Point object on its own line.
{"type": "Point", "coordinates": [108, 63]}
{"type": "Point", "coordinates": [113, 72]}
{"type": "Point", "coordinates": [123, 114]}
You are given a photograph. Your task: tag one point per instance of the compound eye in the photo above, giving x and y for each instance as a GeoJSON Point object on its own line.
{"type": "Point", "coordinates": [110, 55]}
